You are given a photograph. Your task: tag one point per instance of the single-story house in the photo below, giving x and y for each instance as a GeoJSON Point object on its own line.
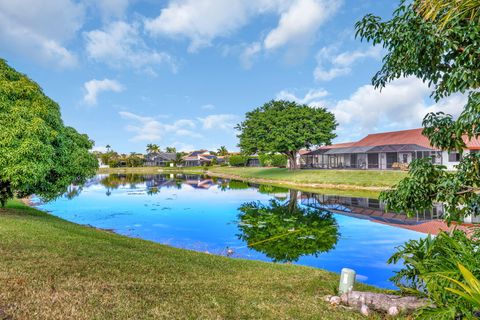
{"type": "Point", "coordinates": [159, 159]}
{"type": "Point", "coordinates": [387, 150]}
{"type": "Point", "coordinates": [200, 158]}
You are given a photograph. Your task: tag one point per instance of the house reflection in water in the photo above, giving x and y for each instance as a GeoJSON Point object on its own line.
{"type": "Point", "coordinates": [428, 222]}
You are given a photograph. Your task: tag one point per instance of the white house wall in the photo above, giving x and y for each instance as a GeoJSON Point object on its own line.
{"type": "Point", "coordinates": [451, 165]}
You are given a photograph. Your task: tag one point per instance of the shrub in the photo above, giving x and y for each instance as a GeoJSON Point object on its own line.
{"type": "Point", "coordinates": [279, 160]}
{"type": "Point", "coordinates": [238, 160]}
{"type": "Point", "coordinates": [426, 263]}
{"type": "Point", "coordinates": [273, 160]}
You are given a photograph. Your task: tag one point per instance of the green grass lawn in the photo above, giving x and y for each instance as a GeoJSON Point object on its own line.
{"type": "Point", "coordinates": [357, 178]}
{"type": "Point", "coordinates": [53, 269]}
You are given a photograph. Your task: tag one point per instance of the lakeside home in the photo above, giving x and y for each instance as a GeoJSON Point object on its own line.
{"type": "Point", "coordinates": [200, 158]}
{"type": "Point", "coordinates": [159, 159]}
{"type": "Point", "coordinates": [387, 150]}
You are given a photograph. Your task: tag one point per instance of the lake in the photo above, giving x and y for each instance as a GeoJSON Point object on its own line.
{"type": "Point", "coordinates": [240, 220]}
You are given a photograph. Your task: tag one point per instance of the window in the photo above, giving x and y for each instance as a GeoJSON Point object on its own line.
{"type": "Point", "coordinates": [454, 157]}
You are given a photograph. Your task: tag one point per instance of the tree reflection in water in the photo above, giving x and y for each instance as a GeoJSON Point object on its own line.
{"type": "Point", "coordinates": [284, 231]}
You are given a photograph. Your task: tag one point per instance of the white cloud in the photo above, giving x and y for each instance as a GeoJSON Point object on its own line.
{"type": "Point", "coordinates": [151, 129]}
{"type": "Point", "coordinates": [313, 97]}
{"type": "Point", "coordinates": [402, 104]}
{"type": "Point", "coordinates": [300, 22]}
{"type": "Point", "coordinates": [41, 29]}
{"type": "Point", "coordinates": [120, 44]}
{"type": "Point", "coordinates": [94, 87]}
{"type": "Point", "coordinates": [340, 64]}
{"type": "Point", "coordinates": [219, 121]}
{"type": "Point", "coordinates": [183, 147]}
{"type": "Point", "coordinates": [249, 54]}
{"type": "Point", "coordinates": [202, 21]}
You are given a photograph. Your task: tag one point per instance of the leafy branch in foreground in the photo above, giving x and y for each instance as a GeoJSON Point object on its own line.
{"type": "Point", "coordinates": [38, 154]}
{"type": "Point", "coordinates": [448, 59]}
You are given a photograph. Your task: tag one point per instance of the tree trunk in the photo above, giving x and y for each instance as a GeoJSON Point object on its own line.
{"type": "Point", "coordinates": [5, 193]}
{"type": "Point", "coordinates": [292, 163]}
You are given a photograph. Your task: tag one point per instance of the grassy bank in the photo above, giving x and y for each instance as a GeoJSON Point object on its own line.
{"type": "Point", "coordinates": [379, 179]}
{"type": "Point", "coordinates": [53, 269]}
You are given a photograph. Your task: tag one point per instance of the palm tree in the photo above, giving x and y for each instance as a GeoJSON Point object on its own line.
{"type": "Point", "coordinates": [445, 11]}
{"type": "Point", "coordinates": [222, 151]}
{"type": "Point", "coordinates": [171, 150]}
{"type": "Point", "coordinates": [108, 147]}
{"type": "Point", "coordinates": [151, 148]}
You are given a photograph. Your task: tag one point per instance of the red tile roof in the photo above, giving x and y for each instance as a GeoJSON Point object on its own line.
{"type": "Point", "coordinates": [413, 136]}
{"type": "Point", "coordinates": [473, 144]}
{"type": "Point", "coordinates": [433, 227]}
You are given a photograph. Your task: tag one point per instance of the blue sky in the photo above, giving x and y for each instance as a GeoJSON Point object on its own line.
{"type": "Point", "coordinates": [183, 72]}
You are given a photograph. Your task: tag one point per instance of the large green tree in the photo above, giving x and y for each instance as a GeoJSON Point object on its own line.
{"type": "Point", "coordinates": [439, 44]}
{"type": "Point", "coordinates": [38, 154]}
{"type": "Point", "coordinates": [285, 127]}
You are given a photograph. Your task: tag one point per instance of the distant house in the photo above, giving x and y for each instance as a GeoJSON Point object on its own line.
{"type": "Point", "coordinates": [387, 150]}
{"type": "Point", "coordinates": [253, 161]}
{"type": "Point", "coordinates": [159, 159]}
{"type": "Point", "coordinates": [200, 158]}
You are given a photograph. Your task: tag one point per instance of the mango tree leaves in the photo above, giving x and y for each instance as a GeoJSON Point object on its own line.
{"type": "Point", "coordinates": [39, 155]}
{"type": "Point", "coordinates": [448, 59]}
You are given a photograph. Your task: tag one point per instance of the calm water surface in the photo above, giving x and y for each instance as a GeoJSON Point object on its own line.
{"type": "Point", "coordinates": [233, 218]}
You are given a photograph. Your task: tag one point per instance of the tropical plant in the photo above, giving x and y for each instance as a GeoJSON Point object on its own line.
{"type": "Point", "coordinates": [108, 147]}
{"type": "Point", "coordinates": [222, 151]}
{"type": "Point", "coordinates": [38, 153]}
{"type": "Point", "coordinates": [152, 148]}
{"type": "Point", "coordinates": [469, 289]}
{"type": "Point", "coordinates": [285, 127]}
{"type": "Point", "coordinates": [448, 60]}
{"type": "Point", "coordinates": [284, 232]}
{"type": "Point", "coordinates": [178, 159]}
{"type": "Point", "coordinates": [442, 12]}
{"type": "Point", "coordinates": [171, 150]}
{"type": "Point", "coordinates": [426, 264]}
{"type": "Point", "coordinates": [134, 161]}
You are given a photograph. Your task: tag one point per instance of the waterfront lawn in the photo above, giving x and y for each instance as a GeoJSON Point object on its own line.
{"type": "Point", "coordinates": [54, 269]}
{"type": "Point", "coordinates": [359, 178]}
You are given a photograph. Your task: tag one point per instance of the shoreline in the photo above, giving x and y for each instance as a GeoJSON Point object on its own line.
{"type": "Point", "coordinates": [345, 189]}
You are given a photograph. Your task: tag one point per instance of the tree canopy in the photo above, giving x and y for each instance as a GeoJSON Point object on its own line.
{"type": "Point", "coordinates": [448, 59]}
{"type": "Point", "coordinates": [285, 127]}
{"type": "Point", "coordinates": [38, 154]}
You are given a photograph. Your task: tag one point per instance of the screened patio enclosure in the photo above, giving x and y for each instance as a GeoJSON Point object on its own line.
{"type": "Point", "coordinates": [376, 157]}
